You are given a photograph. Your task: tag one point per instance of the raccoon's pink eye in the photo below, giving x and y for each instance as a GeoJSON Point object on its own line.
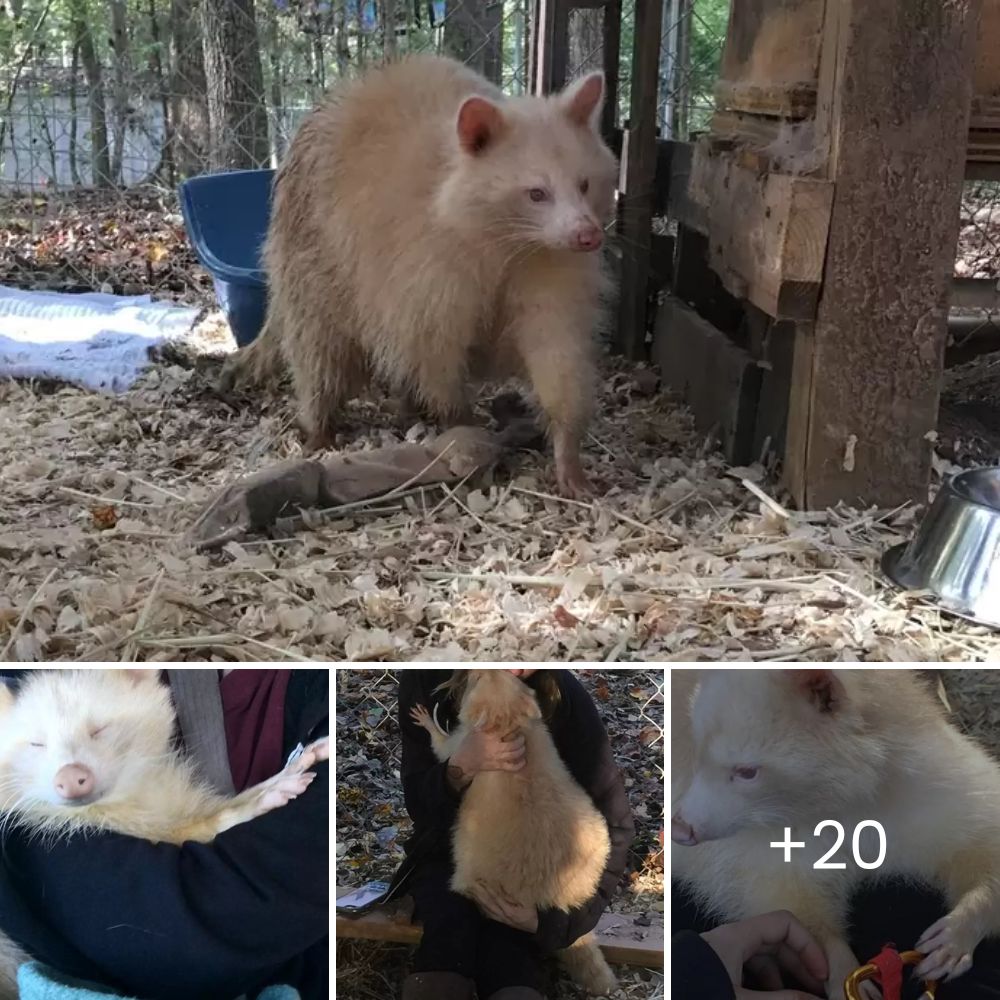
{"type": "Point", "coordinates": [538, 194]}
{"type": "Point", "coordinates": [745, 773]}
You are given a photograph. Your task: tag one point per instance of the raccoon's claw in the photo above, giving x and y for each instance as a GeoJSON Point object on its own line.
{"type": "Point", "coordinates": [947, 948]}
{"type": "Point", "coordinates": [312, 754]}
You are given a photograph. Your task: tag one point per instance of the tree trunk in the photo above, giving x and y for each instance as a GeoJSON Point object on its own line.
{"type": "Point", "coordinates": [74, 167]}
{"type": "Point", "coordinates": [388, 10]}
{"type": "Point", "coordinates": [273, 42]}
{"type": "Point", "coordinates": [119, 92]}
{"type": "Point", "coordinates": [586, 40]}
{"type": "Point", "coordinates": [473, 34]}
{"type": "Point", "coordinates": [236, 109]}
{"type": "Point", "coordinates": [100, 160]}
{"type": "Point", "coordinates": [188, 132]}
{"type": "Point", "coordinates": [163, 92]}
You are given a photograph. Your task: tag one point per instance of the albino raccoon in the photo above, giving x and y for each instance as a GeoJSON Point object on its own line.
{"type": "Point", "coordinates": [90, 750]}
{"type": "Point", "coordinates": [427, 229]}
{"type": "Point", "coordinates": [562, 841]}
{"type": "Point", "coordinates": [755, 751]}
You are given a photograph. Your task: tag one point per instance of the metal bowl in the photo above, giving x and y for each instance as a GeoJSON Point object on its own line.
{"type": "Point", "coordinates": [955, 554]}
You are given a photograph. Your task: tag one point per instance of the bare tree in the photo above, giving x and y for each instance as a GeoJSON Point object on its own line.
{"type": "Point", "coordinates": [188, 133]}
{"type": "Point", "coordinates": [237, 112]}
{"type": "Point", "coordinates": [100, 161]}
{"type": "Point", "coordinates": [119, 92]}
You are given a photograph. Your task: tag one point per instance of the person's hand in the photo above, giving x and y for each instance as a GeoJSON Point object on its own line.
{"type": "Point", "coordinates": [486, 750]}
{"type": "Point", "coordinates": [770, 944]}
{"type": "Point", "coordinates": [498, 906]}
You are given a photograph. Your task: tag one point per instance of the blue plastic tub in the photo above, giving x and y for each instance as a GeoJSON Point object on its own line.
{"type": "Point", "coordinates": [226, 216]}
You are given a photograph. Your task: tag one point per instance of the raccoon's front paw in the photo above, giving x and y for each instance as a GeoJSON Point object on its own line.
{"type": "Point", "coordinates": [947, 945]}
{"type": "Point", "coordinates": [281, 789]}
{"type": "Point", "coordinates": [312, 754]}
{"type": "Point", "coordinates": [422, 717]}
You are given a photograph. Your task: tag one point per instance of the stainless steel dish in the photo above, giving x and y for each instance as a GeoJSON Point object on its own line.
{"type": "Point", "coordinates": [955, 554]}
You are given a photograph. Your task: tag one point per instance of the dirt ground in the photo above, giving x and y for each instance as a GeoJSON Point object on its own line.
{"type": "Point", "coordinates": [372, 822]}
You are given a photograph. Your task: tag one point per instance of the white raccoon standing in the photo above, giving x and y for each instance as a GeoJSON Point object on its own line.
{"type": "Point", "coordinates": [755, 751]}
{"type": "Point", "coordinates": [562, 840]}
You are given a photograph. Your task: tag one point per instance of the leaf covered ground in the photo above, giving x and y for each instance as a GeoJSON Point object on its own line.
{"type": "Point", "coordinates": [372, 824]}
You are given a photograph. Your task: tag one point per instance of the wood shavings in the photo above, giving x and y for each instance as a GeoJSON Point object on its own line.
{"type": "Point", "coordinates": [680, 559]}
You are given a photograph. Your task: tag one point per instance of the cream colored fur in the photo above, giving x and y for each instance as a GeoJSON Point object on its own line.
{"type": "Point", "coordinates": [119, 724]}
{"type": "Point", "coordinates": [880, 750]}
{"type": "Point", "coordinates": [394, 251]}
{"type": "Point", "coordinates": [535, 834]}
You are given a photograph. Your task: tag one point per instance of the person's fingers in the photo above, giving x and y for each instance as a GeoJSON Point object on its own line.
{"type": "Point", "coordinates": [790, 962]}
{"type": "Point", "coordinates": [765, 972]}
{"type": "Point", "coordinates": [773, 930]}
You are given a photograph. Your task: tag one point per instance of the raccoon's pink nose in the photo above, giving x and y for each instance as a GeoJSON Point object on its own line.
{"type": "Point", "coordinates": [682, 832]}
{"type": "Point", "coordinates": [589, 237]}
{"type": "Point", "coordinates": [74, 781]}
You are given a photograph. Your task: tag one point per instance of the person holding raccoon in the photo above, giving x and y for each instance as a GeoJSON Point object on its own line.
{"type": "Point", "coordinates": [491, 945]}
{"type": "Point", "coordinates": [103, 913]}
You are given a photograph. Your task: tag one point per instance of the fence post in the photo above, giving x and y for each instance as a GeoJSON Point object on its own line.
{"type": "Point", "coordinates": [639, 173]}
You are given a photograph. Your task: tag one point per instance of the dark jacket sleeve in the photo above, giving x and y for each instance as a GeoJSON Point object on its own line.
{"type": "Point", "coordinates": [200, 921]}
{"type": "Point", "coordinates": [582, 742]}
{"type": "Point", "coordinates": [696, 971]}
{"type": "Point", "coordinates": [431, 802]}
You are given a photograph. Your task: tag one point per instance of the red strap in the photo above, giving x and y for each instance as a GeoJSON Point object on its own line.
{"type": "Point", "coordinates": [890, 972]}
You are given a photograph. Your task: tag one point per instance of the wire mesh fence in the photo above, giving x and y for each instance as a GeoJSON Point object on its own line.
{"type": "Point", "coordinates": [977, 266]}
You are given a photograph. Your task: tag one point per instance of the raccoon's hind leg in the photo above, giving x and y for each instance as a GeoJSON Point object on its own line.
{"type": "Point", "coordinates": [328, 368]}
{"type": "Point", "coordinates": [587, 966]}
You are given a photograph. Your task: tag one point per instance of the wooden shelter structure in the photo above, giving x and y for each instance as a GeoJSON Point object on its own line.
{"type": "Point", "coordinates": [800, 301]}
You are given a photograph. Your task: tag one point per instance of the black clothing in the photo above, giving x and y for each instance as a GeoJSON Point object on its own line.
{"type": "Point", "coordinates": [201, 921]}
{"type": "Point", "coordinates": [696, 972]}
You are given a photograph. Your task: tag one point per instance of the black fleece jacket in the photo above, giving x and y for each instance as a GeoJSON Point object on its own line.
{"type": "Point", "coordinates": [197, 922]}
{"type": "Point", "coordinates": [582, 743]}
{"type": "Point", "coordinates": [696, 972]}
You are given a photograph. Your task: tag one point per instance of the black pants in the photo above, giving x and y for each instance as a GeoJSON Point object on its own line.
{"type": "Point", "coordinates": [458, 938]}
{"type": "Point", "coordinates": [894, 911]}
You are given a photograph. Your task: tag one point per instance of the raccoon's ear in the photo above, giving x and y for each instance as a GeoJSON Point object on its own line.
{"type": "Point", "coordinates": [583, 99]}
{"type": "Point", "coordinates": [479, 124]}
{"type": "Point", "coordinates": [6, 699]}
{"type": "Point", "coordinates": [823, 688]}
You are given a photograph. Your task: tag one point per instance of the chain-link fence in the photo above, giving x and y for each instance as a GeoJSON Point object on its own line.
{"type": "Point", "coordinates": [975, 317]}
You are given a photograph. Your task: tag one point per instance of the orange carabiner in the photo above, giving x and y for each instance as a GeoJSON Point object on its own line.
{"type": "Point", "coordinates": [870, 971]}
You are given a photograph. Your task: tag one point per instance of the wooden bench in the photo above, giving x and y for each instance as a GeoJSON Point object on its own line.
{"type": "Point", "coordinates": [622, 940]}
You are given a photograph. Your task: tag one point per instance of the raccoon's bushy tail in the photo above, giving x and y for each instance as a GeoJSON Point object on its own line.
{"type": "Point", "coordinates": [260, 363]}
{"type": "Point", "coordinates": [587, 967]}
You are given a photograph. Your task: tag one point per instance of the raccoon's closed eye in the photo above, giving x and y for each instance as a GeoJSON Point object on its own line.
{"type": "Point", "coordinates": [744, 773]}
{"type": "Point", "coordinates": [94, 733]}
{"type": "Point", "coordinates": [34, 744]}
{"type": "Point", "coordinates": [584, 186]}
{"type": "Point", "coordinates": [538, 194]}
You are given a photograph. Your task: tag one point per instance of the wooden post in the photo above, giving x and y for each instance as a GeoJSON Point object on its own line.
{"type": "Point", "coordinates": [639, 172]}
{"type": "Point", "coordinates": [551, 48]}
{"type": "Point", "coordinates": [893, 106]}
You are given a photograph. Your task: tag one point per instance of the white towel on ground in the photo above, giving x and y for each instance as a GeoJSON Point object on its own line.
{"type": "Point", "coordinates": [95, 340]}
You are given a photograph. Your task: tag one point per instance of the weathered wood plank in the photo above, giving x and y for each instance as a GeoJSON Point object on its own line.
{"type": "Point", "coordinates": [718, 380]}
{"type": "Point", "coordinates": [622, 941]}
{"type": "Point", "coordinates": [767, 234]}
{"type": "Point", "coordinates": [639, 173]}
{"type": "Point", "coordinates": [894, 99]}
